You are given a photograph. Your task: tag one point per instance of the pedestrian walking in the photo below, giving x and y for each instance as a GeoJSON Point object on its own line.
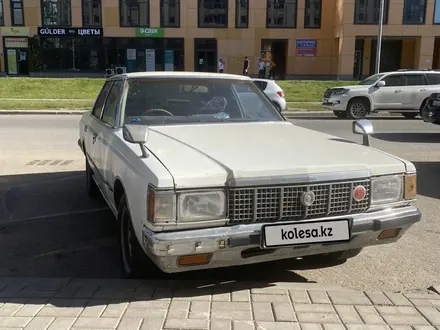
{"type": "Point", "coordinates": [245, 66]}
{"type": "Point", "coordinates": [221, 66]}
{"type": "Point", "coordinates": [261, 69]}
{"type": "Point", "coordinates": [272, 69]}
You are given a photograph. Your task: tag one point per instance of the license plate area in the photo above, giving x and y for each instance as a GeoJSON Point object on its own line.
{"type": "Point", "coordinates": [436, 103]}
{"type": "Point", "coordinates": [305, 233]}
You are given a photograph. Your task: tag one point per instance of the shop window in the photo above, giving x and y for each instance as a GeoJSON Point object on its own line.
{"type": "Point", "coordinates": [241, 13]}
{"type": "Point", "coordinates": [134, 13]}
{"type": "Point", "coordinates": [368, 11]}
{"type": "Point", "coordinates": [281, 13]}
{"type": "Point", "coordinates": [414, 12]}
{"type": "Point", "coordinates": [91, 10]}
{"type": "Point", "coordinates": [56, 12]}
{"type": "Point", "coordinates": [170, 13]}
{"type": "Point", "coordinates": [213, 13]}
{"type": "Point", "coordinates": [1, 13]}
{"type": "Point", "coordinates": [436, 12]}
{"type": "Point", "coordinates": [17, 16]}
{"type": "Point", "coordinates": [312, 14]}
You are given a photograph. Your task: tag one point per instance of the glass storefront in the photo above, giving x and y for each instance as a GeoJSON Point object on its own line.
{"type": "Point", "coordinates": [95, 54]}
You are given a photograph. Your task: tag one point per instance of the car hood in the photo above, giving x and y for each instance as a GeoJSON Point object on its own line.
{"type": "Point", "coordinates": [209, 155]}
{"type": "Point", "coordinates": [352, 87]}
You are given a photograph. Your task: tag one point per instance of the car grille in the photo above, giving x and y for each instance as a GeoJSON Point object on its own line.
{"type": "Point", "coordinates": [327, 93]}
{"type": "Point", "coordinates": [282, 203]}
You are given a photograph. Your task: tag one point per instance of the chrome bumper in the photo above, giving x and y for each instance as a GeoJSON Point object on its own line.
{"type": "Point", "coordinates": [228, 243]}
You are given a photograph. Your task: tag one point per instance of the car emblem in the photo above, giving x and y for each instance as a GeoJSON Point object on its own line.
{"type": "Point", "coordinates": [359, 193]}
{"type": "Point", "coordinates": [307, 198]}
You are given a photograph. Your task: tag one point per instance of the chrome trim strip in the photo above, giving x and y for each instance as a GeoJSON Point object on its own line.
{"type": "Point", "coordinates": [299, 178]}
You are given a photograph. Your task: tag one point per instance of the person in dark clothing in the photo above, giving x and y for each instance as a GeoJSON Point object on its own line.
{"type": "Point", "coordinates": [245, 66]}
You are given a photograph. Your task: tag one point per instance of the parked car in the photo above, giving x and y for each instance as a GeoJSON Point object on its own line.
{"type": "Point", "coordinates": [431, 111]}
{"type": "Point", "coordinates": [403, 91]}
{"type": "Point", "coordinates": [273, 91]}
{"type": "Point", "coordinates": [199, 178]}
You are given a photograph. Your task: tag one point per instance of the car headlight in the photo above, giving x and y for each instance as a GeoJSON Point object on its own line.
{"type": "Point", "coordinates": [386, 189]}
{"type": "Point", "coordinates": [202, 205]}
{"type": "Point", "coordinates": [339, 92]}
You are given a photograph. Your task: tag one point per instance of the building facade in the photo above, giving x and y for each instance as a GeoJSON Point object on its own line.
{"type": "Point", "coordinates": [313, 39]}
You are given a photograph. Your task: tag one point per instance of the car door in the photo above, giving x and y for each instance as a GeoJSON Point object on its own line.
{"type": "Point", "coordinates": [91, 130]}
{"type": "Point", "coordinates": [389, 97]}
{"type": "Point", "coordinates": [106, 135]}
{"type": "Point", "coordinates": [414, 90]}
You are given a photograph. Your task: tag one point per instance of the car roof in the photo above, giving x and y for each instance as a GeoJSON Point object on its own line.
{"type": "Point", "coordinates": [180, 75]}
{"type": "Point", "coordinates": [410, 71]}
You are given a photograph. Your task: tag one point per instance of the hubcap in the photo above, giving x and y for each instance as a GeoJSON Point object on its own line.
{"type": "Point", "coordinates": [358, 109]}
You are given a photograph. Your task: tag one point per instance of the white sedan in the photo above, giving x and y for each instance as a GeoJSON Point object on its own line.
{"type": "Point", "coordinates": [273, 91]}
{"type": "Point", "coordinates": [200, 175]}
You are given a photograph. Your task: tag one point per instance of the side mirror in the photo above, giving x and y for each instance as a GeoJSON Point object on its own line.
{"type": "Point", "coordinates": [363, 127]}
{"type": "Point", "coordinates": [136, 134]}
{"type": "Point", "coordinates": [381, 84]}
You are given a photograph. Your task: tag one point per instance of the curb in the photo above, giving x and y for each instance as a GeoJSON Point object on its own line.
{"type": "Point", "coordinates": [42, 112]}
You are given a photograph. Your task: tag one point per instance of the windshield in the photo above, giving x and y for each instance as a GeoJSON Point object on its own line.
{"type": "Point", "coordinates": [372, 79]}
{"type": "Point", "coordinates": [160, 101]}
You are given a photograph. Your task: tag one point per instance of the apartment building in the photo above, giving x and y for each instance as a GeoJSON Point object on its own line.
{"type": "Point", "coordinates": [312, 39]}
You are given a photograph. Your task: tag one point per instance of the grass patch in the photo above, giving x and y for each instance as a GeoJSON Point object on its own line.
{"type": "Point", "coordinates": [309, 90]}
{"type": "Point", "coordinates": [304, 107]}
{"type": "Point", "coordinates": [50, 88]}
{"type": "Point", "coordinates": [45, 105]}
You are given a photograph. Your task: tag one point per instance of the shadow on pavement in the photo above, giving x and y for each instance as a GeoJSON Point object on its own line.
{"type": "Point", "coordinates": [49, 227]}
{"type": "Point", "coordinates": [428, 179]}
{"type": "Point", "coordinates": [408, 137]}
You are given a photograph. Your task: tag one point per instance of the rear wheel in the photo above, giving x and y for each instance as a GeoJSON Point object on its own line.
{"type": "Point", "coordinates": [340, 114]}
{"type": "Point", "coordinates": [409, 115]}
{"type": "Point", "coordinates": [358, 108]}
{"type": "Point", "coordinates": [277, 106]}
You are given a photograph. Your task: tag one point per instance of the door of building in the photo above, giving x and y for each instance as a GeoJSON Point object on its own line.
{"type": "Point", "coordinates": [205, 55]}
{"type": "Point", "coordinates": [357, 67]}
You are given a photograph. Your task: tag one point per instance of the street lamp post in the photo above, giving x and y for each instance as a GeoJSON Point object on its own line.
{"type": "Point", "coordinates": [379, 35]}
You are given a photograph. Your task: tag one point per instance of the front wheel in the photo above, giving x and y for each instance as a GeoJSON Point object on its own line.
{"type": "Point", "coordinates": [91, 186]}
{"type": "Point", "coordinates": [336, 258]}
{"type": "Point", "coordinates": [409, 115]}
{"type": "Point", "coordinates": [340, 114]}
{"type": "Point", "coordinates": [134, 262]}
{"type": "Point", "coordinates": [358, 108]}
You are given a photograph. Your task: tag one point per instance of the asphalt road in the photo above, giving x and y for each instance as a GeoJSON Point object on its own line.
{"type": "Point", "coordinates": [50, 228]}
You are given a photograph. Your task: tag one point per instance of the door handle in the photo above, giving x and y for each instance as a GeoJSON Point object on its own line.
{"type": "Point", "coordinates": [397, 91]}
{"type": "Point", "coordinates": [423, 90]}
{"type": "Point", "coordinates": [94, 138]}
{"type": "Point", "coordinates": [85, 128]}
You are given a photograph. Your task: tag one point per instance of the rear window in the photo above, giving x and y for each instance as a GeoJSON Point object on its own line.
{"type": "Point", "coordinates": [433, 78]}
{"type": "Point", "coordinates": [261, 84]}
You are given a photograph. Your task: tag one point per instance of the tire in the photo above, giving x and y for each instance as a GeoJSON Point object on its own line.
{"type": "Point", "coordinates": [277, 106]}
{"type": "Point", "coordinates": [409, 115]}
{"type": "Point", "coordinates": [336, 258]}
{"type": "Point", "coordinates": [358, 108]}
{"type": "Point", "coordinates": [134, 262]}
{"type": "Point", "coordinates": [340, 114]}
{"type": "Point", "coordinates": [92, 187]}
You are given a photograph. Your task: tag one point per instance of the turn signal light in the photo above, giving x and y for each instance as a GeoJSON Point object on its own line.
{"type": "Point", "coordinates": [194, 260]}
{"type": "Point", "coordinates": [410, 186]}
{"type": "Point", "coordinates": [389, 233]}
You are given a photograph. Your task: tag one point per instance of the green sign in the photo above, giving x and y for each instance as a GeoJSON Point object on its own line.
{"type": "Point", "coordinates": [149, 32]}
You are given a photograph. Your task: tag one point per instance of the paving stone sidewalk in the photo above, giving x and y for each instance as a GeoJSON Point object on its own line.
{"type": "Point", "coordinates": [152, 305]}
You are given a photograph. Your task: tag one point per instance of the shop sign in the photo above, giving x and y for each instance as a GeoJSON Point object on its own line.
{"type": "Point", "coordinates": [69, 32]}
{"type": "Point", "coordinates": [149, 32]}
{"type": "Point", "coordinates": [14, 31]}
{"type": "Point", "coordinates": [16, 42]}
{"type": "Point", "coordinates": [306, 47]}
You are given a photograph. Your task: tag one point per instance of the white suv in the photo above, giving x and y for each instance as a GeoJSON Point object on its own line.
{"type": "Point", "coordinates": [404, 91]}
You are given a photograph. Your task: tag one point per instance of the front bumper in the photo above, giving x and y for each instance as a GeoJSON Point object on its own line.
{"type": "Point", "coordinates": [431, 114]}
{"type": "Point", "coordinates": [240, 244]}
{"type": "Point", "coordinates": [338, 103]}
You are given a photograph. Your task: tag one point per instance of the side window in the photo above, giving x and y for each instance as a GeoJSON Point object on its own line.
{"type": "Point", "coordinates": [111, 106]}
{"type": "Point", "coordinates": [414, 80]}
{"type": "Point", "coordinates": [100, 100]}
{"type": "Point", "coordinates": [393, 80]}
{"type": "Point", "coordinates": [433, 78]}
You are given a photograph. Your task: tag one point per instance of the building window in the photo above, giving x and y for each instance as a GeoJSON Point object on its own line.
{"type": "Point", "coordinates": [17, 15]}
{"type": "Point", "coordinates": [213, 13]}
{"type": "Point", "coordinates": [56, 12]}
{"type": "Point", "coordinates": [312, 14]}
{"type": "Point", "coordinates": [436, 12]}
{"type": "Point", "coordinates": [170, 13]}
{"type": "Point", "coordinates": [368, 11]}
{"type": "Point", "coordinates": [414, 12]}
{"type": "Point", "coordinates": [281, 13]}
{"type": "Point", "coordinates": [91, 12]}
{"type": "Point", "coordinates": [135, 12]}
{"type": "Point", "coordinates": [1, 13]}
{"type": "Point", "coordinates": [241, 13]}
